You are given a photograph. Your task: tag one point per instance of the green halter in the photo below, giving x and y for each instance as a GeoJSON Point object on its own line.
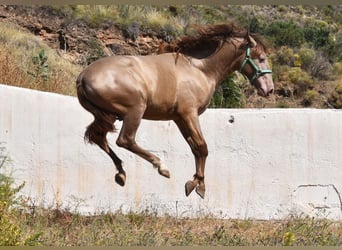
{"type": "Point", "coordinates": [258, 72]}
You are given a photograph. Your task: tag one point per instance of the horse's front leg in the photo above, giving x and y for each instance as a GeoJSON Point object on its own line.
{"type": "Point", "coordinates": [126, 140]}
{"type": "Point", "coordinates": [191, 131]}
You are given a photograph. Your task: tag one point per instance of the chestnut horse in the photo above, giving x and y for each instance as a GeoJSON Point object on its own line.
{"type": "Point", "coordinates": [174, 85]}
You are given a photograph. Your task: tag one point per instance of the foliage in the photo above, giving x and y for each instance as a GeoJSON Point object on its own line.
{"type": "Point", "coordinates": [11, 233]}
{"type": "Point", "coordinates": [337, 68]}
{"type": "Point", "coordinates": [310, 96]}
{"type": "Point", "coordinates": [335, 98]}
{"type": "Point", "coordinates": [321, 67]}
{"type": "Point", "coordinates": [308, 231]}
{"type": "Point", "coordinates": [306, 41]}
{"type": "Point", "coordinates": [307, 57]}
{"type": "Point", "coordinates": [301, 80]}
{"type": "Point", "coordinates": [317, 32]}
{"type": "Point", "coordinates": [95, 52]}
{"type": "Point", "coordinates": [284, 56]}
{"type": "Point", "coordinates": [285, 33]}
{"type": "Point", "coordinates": [228, 95]}
{"type": "Point", "coordinates": [62, 228]}
{"type": "Point", "coordinates": [41, 68]}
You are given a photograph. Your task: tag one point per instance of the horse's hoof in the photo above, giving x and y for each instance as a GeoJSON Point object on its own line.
{"type": "Point", "coordinates": [164, 172]}
{"type": "Point", "coordinates": [189, 186]}
{"type": "Point", "coordinates": [200, 191]}
{"type": "Point", "coordinates": [120, 178]}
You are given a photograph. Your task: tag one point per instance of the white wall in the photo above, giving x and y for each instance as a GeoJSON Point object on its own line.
{"type": "Point", "coordinates": [268, 163]}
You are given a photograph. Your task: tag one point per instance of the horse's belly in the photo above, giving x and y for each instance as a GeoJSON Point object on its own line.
{"type": "Point", "coordinates": [159, 113]}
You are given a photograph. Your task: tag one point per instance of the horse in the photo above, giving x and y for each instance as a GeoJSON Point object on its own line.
{"type": "Point", "coordinates": [175, 84]}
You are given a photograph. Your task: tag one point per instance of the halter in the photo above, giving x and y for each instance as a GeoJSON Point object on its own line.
{"type": "Point", "coordinates": [258, 72]}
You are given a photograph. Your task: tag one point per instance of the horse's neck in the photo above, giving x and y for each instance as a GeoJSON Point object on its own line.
{"type": "Point", "coordinates": [222, 63]}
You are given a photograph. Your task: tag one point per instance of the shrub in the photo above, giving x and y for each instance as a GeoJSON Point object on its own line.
{"type": "Point", "coordinates": [10, 228]}
{"type": "Point", "coordinates": [317, 33]}
{"type": "Point", "coordinates": [301, 79]}
{"type": "Point", "coordinates": [285, 56]}
{"type": "Point", "coordinates": [228, 95]}
{"type": "Point", "coordinates": [285, 33]}
{"type": "Point", "coordinates": [337, 69]}
{"type": "Point", "coordinates": [335, 98]}
{"type": "Point", "coordinates": [283, 105]}
{"type": "Point", "coordinates": [40, 67]}
{"type": "Point", "coordinates": [256, 25]}
{"type": "Point", "coordinates": [336, 49]}
{"type": "Point", "coordinates": [310, 97]}
{"type": "Point", "coordinates": [321, 67]}
{"type": "Point", "coordinates": [307, 57]}
{"type": "Point", "coordinates": [95, 52]}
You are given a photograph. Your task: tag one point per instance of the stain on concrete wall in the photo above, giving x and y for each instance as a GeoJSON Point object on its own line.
{"type": "Point", "coordinates": [262, 163]}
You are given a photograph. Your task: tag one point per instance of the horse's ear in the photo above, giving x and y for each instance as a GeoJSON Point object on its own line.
{"type": "Point", "coordinates": [251, 42]}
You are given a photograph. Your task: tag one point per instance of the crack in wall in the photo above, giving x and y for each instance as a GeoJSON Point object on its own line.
{"type": "Point", "coordinates": [324, 185]}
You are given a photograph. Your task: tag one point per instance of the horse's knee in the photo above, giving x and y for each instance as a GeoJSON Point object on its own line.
{"type": "Point", "coordinates": [204, 149]}
{"type": "Point", "coordinates": [201, 149]}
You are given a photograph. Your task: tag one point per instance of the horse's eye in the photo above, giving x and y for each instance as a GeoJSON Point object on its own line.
{"type": "Point", "coordinates": [262, 59]}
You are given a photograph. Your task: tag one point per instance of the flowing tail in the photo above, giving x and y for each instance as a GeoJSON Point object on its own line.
{"type": "Point", "coordinates": [103, 120]}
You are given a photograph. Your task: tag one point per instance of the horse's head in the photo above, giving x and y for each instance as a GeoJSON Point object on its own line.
{"type": "Point", "coordinates": [255, 67]}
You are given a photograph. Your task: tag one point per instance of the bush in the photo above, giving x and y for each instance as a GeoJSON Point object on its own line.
{"type": "Point", "coordinates": [307, 57]}
{"type": "Point", "coordinates": [9, 232]}
{"type": "Point", "coordinates": [95, 51]}
{"type": "Point", "coordinates": [321, 67]}
{"type": "Point", "coordinates": [337, 69]}
{"type": "Point", "coordinates": [335, 98]}
{"type": "Point", "coordinates": [336, 49]}
{"type": "Point", "coordinates": [285, 56]}
{"type": "Point", "coordinates": [10, 228]}
{"type": "Point", "coordinates": [310, 97]}
{"type": "Point", "coordinates": [285, 33]}
{"type": "Point", "coordinates": [228, 95]}
{"type": "Point", "coordinates": [301, 79]}
{"type": "Point", "coordinates": [40, 67]}
{"type": "Point", "coordinates": [317, 33]}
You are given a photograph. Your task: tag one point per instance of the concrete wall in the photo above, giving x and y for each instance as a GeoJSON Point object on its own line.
{"type": "Point", "coordinates": [267, 164]}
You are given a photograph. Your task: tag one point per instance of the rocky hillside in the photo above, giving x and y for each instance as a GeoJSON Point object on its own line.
{"type": "Point", "coordinates": [77, 40]}
{"type": "Point", "coordinates": [81, 34]}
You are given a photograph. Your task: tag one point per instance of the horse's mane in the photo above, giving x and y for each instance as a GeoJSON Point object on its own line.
{"type": "Point", "coordinates": [207, 40]}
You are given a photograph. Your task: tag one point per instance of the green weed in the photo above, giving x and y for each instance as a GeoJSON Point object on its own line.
{"type": "Point", "coordinates": [11, 231]}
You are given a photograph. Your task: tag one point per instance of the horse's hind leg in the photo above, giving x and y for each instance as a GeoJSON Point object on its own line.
{"type": "Point", "coordinates": [126, 140]}
{"type": "Point", "coordinates": [120, 178]}
{"type": "Point", "coordinates": [96, 133]}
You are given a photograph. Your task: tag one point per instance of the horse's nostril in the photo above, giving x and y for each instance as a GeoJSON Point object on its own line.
{"type": "Point", "coordinates": [271, 91]}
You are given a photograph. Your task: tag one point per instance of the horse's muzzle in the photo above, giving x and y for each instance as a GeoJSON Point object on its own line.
{"type": "Point", "coordinates": [265, 91]}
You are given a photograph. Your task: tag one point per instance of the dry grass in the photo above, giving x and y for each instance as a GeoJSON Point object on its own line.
{"type": "Point", "coordinates": [58, 228]}
{"type": "Point", "coordinates": [18, 68]}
